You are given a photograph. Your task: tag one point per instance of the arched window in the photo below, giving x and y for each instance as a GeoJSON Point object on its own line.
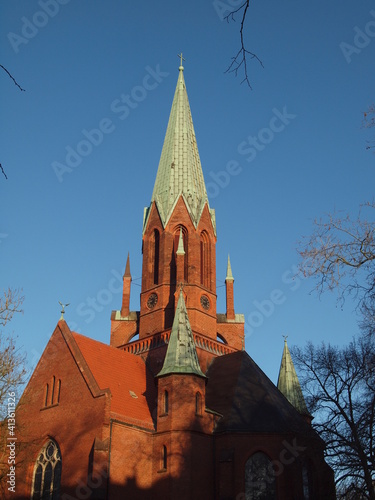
{"type": "Point", "coordinates": [260, 481]}
{"type": "Point", "coordinates": [164, 458]}
{"type": "Point", "coordinates": [166, 402]}
{"type": "Point", "coordinates": [46, 396]}
{"type": "Point", "coordinates": [47, 473]}
{"type": "Point", "coordinates": [154, 256]}
{"type": "Point", "coordinates": [53, 389]}
{"type": "Point", "coordinates": [58, 391]}
{"type": "Point", "coordinates": [205, 260]}
{"type": "Point", "coordinates": [307, 483]}
{"type": "Point", "coordinates": [198, 403]}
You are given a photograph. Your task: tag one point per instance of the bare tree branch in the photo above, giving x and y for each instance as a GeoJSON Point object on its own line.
{"type": "Point", "coordinates": [240, 59]}
{"type": "Point", "coordinates": [1, 168]}
{"type": "Point", "coordinates": [369, 122]}
{"type": "Point", "coordinates": [14, 80]}
{"type": "Point", "coordinates": [340, 254]}
{"type": "Point", "coordinates": [339, 384]}
{"type": "Point", "coordinates": [10, 303]}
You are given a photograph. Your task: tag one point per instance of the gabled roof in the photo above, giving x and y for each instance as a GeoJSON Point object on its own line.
{"type": "Point", "coordinates": [180, 171]}
{"type": "Point", "coordinates": [239, 390]}
{"type": "Point", "coordinates": [288, 382]}
{"type": "Point", "coordinates": [181, 356]}
{"type": "Point", "coordinates": [131, 384]}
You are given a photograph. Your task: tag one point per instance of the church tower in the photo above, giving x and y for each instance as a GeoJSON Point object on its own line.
{"type": "Point", "coordinates": [179, 252]}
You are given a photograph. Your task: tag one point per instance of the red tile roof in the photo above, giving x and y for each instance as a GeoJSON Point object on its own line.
{"type": "Point", "coordinates": [132, 385]}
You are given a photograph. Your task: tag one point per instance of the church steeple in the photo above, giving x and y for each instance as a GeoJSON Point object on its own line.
{"type": "Point", "coordinates": [288, 382]}
{"type": "Point", "coordinates": [180, 170]}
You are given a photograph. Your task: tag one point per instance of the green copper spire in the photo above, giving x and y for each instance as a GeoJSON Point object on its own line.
{"type": "Point", "coordinates": [181, 356]}
{"type": "Point", "coordinates": [180, 170]}
{"type": "Point", "coordinates": [288, 382]}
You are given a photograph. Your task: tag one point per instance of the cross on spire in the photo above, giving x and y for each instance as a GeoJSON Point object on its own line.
{"type": "Point", "coordinates": [181, 59]}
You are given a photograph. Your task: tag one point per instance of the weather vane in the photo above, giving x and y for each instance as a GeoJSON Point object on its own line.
{"type": "Point", "coordinates": [181, 58]}
{"type": "Point", "coordinates": [285, 337]}
{"type": "Point", "coordinates": [63, 306]}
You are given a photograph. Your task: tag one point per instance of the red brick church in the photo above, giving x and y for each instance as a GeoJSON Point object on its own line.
{"type": "Point", "coordinates": [173, 407]}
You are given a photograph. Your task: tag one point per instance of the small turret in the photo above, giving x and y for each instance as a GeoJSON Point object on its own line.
{"type": "Point", "coordinates": [288, 383]}
{"type": "Point", "coordinates": [180, 260]}
{"type": "Point", "coordinates": [181, 356]}
{"type": "Point", "coordinates": [127, 278]}
{"type": "Point", "coordinates": [229, 280]}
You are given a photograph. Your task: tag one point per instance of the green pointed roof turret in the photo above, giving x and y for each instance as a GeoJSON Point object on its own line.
{"type": "Point", "coordinates": [288, 382]}
{"type": "Point", "coordinates": [180, 170]}
{"type": "Point", "coordinates": [181, 356]}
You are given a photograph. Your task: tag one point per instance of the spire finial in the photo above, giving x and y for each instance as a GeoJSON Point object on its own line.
{"type": "Point", "coordinates": [63, 309]}
{"type": "Point", "coordinates": [181, 68]}
{"type": "Point", "coordinates": [285, 337]}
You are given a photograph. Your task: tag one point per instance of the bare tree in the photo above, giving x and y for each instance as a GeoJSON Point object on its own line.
{"type": "Point", "coordinates": [339, 387]}
{"type": "Point", "coordinates": [22, 90]}
{"type": "Point", "coordinates": [12, 362]}
{"type": "Point", "coordinates": [241, 58]}
{"type": "Point", "coordinates": [369, 122]}
{"type": "Point", "coordinates": [340, 255]}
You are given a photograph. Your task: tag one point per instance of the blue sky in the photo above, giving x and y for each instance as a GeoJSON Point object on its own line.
{"type": "Point", "coordinates": [66, 237]}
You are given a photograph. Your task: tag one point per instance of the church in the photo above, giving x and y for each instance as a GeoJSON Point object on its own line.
{"type": "Point", "coordinates": [173, 407]}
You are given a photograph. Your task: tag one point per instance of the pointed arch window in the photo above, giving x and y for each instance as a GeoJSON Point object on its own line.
{"type": "Point", "coordinates": [164, 456]}
{"type": "Point", "coordinates": [47, 473]}
{"type": "Point", "coordinates": [154, 256]}
{"type": "Point", "coordinates": [46, 395]}
{"type": "Point", "coordinates": [53, 388]}
{"type": "Point", "coordinates": [307, 483]}
{"type": "Point", "coordinates": [260, 480]}
{"type": "Point", "coordinates": [166, 402]}
{"type": "Point", "coordinates": [52, 392]}
{"type": "Point", "coordinates": [205, 270]}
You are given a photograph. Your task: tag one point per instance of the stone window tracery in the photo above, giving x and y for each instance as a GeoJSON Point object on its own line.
{"type": "Point", "coordinates": [260, 480]}
{"type": "Point", "coordinates": [47, 473]}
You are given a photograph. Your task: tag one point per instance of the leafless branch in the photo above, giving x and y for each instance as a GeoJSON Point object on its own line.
{"type": "Point", "coordinates": [1, 168]}
{"type": "Point", "coordinates": [369, 122]}
{"type": "Point", "coordinates": [240, 59]}
{"type": "Point", "coordinates": [340, 254]}
{"type": "Point", "coordinates": [339, 383]}
{"type": "Point", "coordinates": [14, 80]}
{"type": "Point", "coordinates": [10, 303]}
